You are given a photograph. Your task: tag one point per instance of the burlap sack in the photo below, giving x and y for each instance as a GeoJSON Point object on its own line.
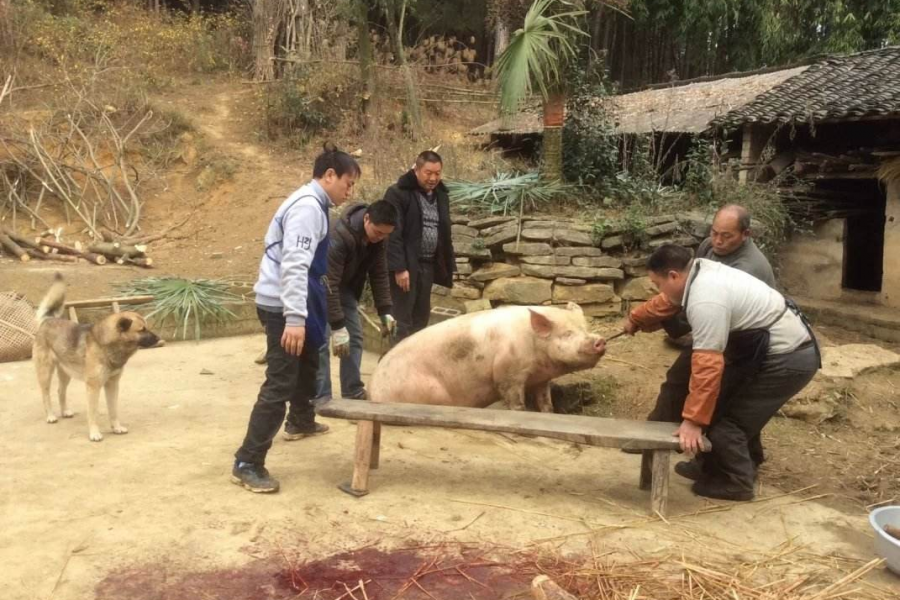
{"type": "Point", "coordinates": [17, 327]}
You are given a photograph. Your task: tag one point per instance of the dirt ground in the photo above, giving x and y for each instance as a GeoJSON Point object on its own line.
{"type": "Point", "coordinates": [77, 515]}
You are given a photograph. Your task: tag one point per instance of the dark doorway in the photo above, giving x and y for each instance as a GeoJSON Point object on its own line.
{"type": "Point", "coordinates": [864, 241]}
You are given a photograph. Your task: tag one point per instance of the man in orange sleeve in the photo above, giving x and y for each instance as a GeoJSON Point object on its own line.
{"type": "Point", "coordinates": [738, 319]}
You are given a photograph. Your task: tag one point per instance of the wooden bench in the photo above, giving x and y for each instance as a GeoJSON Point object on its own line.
{"type": "Point", "coordinates": [593, 431]}
{"type": "Point", "coordinates": [115, 303]}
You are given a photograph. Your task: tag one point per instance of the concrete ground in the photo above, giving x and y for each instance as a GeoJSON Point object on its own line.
{"type": "Point", "coordinates": [74, 511]}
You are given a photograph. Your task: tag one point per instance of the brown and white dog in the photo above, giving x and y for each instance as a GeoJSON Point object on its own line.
{"type": "Point", "coordinates": [95, 354]}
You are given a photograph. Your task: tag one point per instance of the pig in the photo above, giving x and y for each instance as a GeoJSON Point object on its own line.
{"type": "Point", "coordinates": [477, 359]}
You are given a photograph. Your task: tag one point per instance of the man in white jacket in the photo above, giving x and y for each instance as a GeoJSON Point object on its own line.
{"type": "Point", "coordinates": [291, 302]}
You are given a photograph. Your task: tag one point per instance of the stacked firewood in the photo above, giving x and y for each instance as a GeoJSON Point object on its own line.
{"type": "Point", "coordinates": [99, 253]}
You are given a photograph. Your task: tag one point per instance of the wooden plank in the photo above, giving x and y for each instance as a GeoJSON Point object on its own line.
{"type": "Point", "coordinates": [100, 302]}
{"type": "Point", "coordinates": [594, 431]}
{"type": "Point", "coordinates": [659, 492]}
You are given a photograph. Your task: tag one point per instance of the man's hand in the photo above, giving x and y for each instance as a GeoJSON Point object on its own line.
{"type": "Point", "coordinates": [292, 339]}
{"type": "Point", "coordinates": [402, 279]}
{"type": "Point", "coordinates": [340, 342]}
{"type": "Point", "coordinates": [629, 327]}
{"type": "Point", "coordinates": [388, 325]}
{"type": "Point", "coordinates": [690, 436]}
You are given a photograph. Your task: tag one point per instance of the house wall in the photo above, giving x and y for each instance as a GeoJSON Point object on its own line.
{"type": "Point", "coordinates": [890, 288]}
{"type": "Point", "coordinates": [811, 264]}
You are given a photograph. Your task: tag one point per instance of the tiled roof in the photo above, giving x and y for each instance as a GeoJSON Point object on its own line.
{"type": "Point", "coordinates": [841, 87]}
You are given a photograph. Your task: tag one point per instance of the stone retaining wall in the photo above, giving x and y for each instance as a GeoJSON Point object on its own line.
{"type": "Point", "coordinates": [547, 260]}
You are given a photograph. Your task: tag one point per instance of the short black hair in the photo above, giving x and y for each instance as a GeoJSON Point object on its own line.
{"type": "Point", "coordinates": [669, 257]}
{"type": "Point", "coordinates": [382, 213]}
{"type": "Point", "coordinates": [332, 158]}
{"type": "Point", "coordinates": [429, 156]}
{"type": "Point", "coordinates": [743, 215]}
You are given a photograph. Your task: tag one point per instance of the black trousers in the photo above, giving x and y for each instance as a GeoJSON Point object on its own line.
{"type": "Point", "coordinates": [289, 380]}
{"type": "Point", "coordinates": [674, 392]}
{"type": "Point", "coordinates": [412, 309]}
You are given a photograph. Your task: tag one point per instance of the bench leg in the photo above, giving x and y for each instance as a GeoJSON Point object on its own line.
{"type": "Point", "coordinates": [659, 493]}
{"type": "Point", "coordinates": [376, 445]}
{"type": "Point", "coordinates": [646, 474]}
{"type": "Point", "coordinates": [359, 486]}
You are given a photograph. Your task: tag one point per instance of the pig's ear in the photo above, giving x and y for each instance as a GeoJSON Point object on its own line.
{"type": "Point", "coordinates": [574, 308]}
{"type": "Point", "coordinates": [541, 325]}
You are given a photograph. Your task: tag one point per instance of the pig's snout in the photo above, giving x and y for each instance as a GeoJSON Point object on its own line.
{"type": "Point", "coordinates": [596, 346]}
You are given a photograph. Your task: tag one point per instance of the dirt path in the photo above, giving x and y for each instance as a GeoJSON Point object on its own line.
{"type": "Point", "coordinates": [158, 500]}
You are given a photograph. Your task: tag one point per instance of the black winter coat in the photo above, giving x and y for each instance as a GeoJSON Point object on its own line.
{"type": "Point", "coordinates": [404, 247]}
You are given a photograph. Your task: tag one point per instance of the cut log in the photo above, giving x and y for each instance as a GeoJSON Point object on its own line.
{"type": "Point", "coordinates": [14, 248]}
{"type": "Point", "coordinates": [76, 251]}
{"type": "Point", "coordinates": [116, 250]}
{"type": "Point", "coordinates": [544, 588]}
{"type": "Point", "coordinates": [145, 262]}
{"type": "Point", "coordinates": [66, 258]}
{"type": "Point", "coordinates": [19, 239]}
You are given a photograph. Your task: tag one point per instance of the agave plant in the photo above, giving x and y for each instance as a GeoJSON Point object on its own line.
{"type": "Point", "coordinates": [505, 193]}
{"type": "Point", "coordinates": [535, 60]}
{"type": "Point", "coordinates": [202, 301]}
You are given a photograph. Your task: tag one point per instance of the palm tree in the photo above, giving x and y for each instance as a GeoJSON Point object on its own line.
{"type": "Point", "coordinates": [535, 60]}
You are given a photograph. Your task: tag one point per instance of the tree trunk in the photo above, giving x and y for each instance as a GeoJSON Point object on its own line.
{"type": "Point", "coordinates": [264, 39]}
{"type": "Point", "coordinates": [6, 30]}
{"type": "Point", "coordinates": [554, 116]}
{"type": "Point", "coordinates": [395, 30]}
{"type": "Point", "coordinates": [195, 7]}
{"type": "Point", "coordinates": [367, 72]}
{"type": "Point", "coordinates": [501, 37]}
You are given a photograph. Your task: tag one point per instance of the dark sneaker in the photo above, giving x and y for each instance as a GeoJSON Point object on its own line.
{"type": "Point", "coordinates": [292, 432]}
{"type": "Point", "coordinates": [362, 395]}
{"type": "Point", "coordinates": [689, 469]}
{"type": "Point", "coordinates": [721, 490]}
{"type": "Point", "coordinates": [255, 478]}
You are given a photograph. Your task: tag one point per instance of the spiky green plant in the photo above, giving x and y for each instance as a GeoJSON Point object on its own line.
{"type": "Point", "coordinates": [182, 301]}
{"type": "Point", "coordinates": [505, 193]}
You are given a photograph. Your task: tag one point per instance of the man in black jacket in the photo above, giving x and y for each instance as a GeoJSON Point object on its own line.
{"type": "Point", "coordinates": [357, 250]}
{"type": "Point", "coordinates": [420, 251]}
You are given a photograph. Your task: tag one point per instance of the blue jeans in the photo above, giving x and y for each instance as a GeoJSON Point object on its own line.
{"type": "Point", "coordinates": [351, 380]}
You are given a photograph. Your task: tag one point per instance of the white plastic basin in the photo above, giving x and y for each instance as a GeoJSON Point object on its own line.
{"type": "Point", "coordinates": [886, 547]}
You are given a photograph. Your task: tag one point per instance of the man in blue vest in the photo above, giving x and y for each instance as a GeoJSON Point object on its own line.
{"type": "Point", "coordinates": [291, 302]}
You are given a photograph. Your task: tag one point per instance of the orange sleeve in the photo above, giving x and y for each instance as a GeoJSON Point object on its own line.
{"type": "Point", "coordinates": [649, 315]}
{"type": "Point", "coordinates": [706, 383]}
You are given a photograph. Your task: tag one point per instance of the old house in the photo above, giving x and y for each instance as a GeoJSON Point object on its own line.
{"type": "Point", "coordinates": [831, 136]}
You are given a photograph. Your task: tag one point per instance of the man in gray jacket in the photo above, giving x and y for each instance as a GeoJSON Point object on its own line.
{"type": "Point", "coordinates": [291, 302]}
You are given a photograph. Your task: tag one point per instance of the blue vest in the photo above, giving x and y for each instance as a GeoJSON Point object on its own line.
{"type": "Point", "coordinates": [317, 295]}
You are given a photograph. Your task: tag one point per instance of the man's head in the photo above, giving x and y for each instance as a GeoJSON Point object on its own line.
{"type": "Point", "coordinates": [428, 170]}
{"type": "Point", "coordinates": [379, 221]}
{"type": "Point", "coordinates": [337, 173]}
{"type": "Point", "coordinates": [730, 229]}
{"type": "Point", "coordinates": [669, 267]}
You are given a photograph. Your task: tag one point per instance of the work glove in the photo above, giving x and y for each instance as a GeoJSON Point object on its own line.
{"type": "Point", "coordinates": [340, 342]}
{"type": "Point", "coordinates": [388, 325]}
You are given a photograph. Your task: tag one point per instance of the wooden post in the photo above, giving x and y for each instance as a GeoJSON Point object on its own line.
{"type": "Point", "coordinates": [376, 445]}
{"type": "Point", "coordinates": [115, 307]}
{"type": "Point", "coordinates": [73, 316]}
{"type": "Point", "coordinates": [646, 475]}
{"type": "Point", "coordinates": [359, 486]}
{"type": "Point", "coordinates": [659, 493]}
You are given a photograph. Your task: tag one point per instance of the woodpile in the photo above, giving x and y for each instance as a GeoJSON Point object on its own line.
{"type": "Point", "coordinates": [99, 253]}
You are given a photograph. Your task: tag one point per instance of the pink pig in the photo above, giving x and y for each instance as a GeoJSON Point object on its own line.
{"type": "Point", "coordinates": [477, 359]}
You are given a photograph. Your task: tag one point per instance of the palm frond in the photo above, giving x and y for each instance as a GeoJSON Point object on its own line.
{"type": "Point", "coordinates": [183, 300]}
{"type": "Point", "coordinates": [537, 53]}
{"type": "Point", "coordinates": [505, 193]}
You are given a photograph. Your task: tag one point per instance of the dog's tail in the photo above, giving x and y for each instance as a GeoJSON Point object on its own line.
{"type": "Point", "coordinates": [53, 304]}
